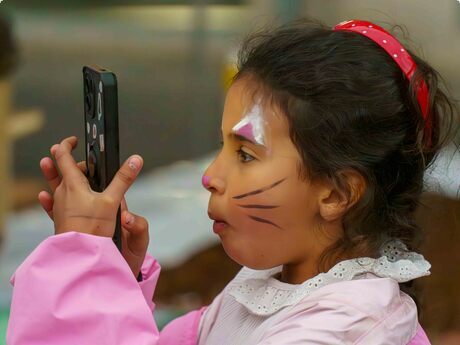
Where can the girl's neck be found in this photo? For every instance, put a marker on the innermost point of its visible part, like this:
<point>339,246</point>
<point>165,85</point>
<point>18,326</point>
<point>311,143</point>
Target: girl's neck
<point>297,274</point>
<point>300,272</point>
<point>308,267</point>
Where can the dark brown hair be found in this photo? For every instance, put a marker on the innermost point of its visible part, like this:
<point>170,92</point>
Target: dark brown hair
<point>350,106</point>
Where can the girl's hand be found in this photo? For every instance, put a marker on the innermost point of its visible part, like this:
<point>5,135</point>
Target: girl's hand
<point>78,208</point>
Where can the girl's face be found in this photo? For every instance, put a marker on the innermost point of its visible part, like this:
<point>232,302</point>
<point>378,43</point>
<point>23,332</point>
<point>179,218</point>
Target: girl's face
<point>271,215</point>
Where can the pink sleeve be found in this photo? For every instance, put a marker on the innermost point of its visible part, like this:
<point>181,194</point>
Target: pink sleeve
<point>150,273</point>
<point>76,288</point>
<point>183,330</point>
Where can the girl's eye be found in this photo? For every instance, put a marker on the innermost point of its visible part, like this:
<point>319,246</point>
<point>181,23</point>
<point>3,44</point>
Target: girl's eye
<point>246,157</point>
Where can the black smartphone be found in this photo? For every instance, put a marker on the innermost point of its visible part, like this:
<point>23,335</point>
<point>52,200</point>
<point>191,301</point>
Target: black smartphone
<point>101,131</point>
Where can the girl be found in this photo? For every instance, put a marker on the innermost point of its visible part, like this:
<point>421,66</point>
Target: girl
<point>326,137</point>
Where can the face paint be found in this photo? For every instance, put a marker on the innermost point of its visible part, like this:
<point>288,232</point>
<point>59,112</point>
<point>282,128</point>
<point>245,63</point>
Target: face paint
<point>258,191</point>
<point>258,206</point>
<point>261,207</point>
<point>205,181</point>
<point>251,126</point>
<point>257,219</point>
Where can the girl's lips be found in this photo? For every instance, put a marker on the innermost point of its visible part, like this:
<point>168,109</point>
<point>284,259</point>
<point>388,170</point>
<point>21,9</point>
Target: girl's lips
<point>219,226</point>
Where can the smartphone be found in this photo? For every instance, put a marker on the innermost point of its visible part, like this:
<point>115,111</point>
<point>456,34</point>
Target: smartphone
<point>101,131</point>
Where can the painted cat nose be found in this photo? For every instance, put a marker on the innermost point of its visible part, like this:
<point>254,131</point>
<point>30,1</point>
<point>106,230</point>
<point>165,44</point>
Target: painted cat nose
<point>205,181</point>
<point>213,184</point>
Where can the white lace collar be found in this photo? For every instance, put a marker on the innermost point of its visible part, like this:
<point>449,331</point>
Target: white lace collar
<point>262,294</point>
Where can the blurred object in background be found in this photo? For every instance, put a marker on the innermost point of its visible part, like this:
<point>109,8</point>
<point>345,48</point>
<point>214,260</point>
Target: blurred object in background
<point>13,126</point>
<point>174,60</point>
<point>8,46</point>
<point>439,217</point>
<point>229,68</point>
<point>8,62</point>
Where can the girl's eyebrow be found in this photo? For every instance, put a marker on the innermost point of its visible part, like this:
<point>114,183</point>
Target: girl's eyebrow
<point>242,137</point>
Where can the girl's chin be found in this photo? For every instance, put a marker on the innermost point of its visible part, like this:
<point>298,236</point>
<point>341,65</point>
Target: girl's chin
<point>242,256</point>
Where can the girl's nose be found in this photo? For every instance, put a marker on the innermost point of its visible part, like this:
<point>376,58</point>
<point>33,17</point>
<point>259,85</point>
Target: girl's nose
<point>205,181</point>
<point>213,184</point>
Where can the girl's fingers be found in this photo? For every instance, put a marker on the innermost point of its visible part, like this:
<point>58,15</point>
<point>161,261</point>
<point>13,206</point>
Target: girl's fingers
<point>53,149</point>
<point>51,174</point>
<point>46,200</point>
<point>124,178</point>
<point>66,163</point>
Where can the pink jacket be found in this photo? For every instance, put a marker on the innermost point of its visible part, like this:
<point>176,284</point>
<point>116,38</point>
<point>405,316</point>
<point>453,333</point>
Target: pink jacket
<point>76,288</point>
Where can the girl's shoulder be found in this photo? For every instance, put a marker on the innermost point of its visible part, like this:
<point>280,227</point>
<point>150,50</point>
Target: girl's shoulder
<point>369,310</point>
<point>371,296</point>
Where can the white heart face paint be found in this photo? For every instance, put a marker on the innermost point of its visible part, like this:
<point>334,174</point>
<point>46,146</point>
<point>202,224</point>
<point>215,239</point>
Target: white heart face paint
<point>251,126</point>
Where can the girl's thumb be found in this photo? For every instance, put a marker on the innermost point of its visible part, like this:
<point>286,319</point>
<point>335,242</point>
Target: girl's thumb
<point>129,220</point>
<point>137,238</point>
<point>136,225</point>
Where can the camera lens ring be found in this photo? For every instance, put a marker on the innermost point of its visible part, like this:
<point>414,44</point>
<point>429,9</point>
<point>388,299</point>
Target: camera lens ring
<point>89,95</point>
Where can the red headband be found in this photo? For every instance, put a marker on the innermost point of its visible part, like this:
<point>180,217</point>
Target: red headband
<point>395,49</point>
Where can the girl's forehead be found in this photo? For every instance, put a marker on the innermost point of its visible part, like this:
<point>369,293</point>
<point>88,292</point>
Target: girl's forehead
<point>242,114</point>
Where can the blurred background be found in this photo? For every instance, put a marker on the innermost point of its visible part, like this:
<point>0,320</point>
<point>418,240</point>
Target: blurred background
<point>172,60</point>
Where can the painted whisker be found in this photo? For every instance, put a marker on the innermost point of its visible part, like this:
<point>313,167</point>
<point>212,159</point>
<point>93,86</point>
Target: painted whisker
<point>259,206</point>
<point>258,191</point>
<point>263,221</point>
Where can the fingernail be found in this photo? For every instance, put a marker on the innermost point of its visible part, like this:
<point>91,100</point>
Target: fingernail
<point>134,163</point>
<point>129,219</point>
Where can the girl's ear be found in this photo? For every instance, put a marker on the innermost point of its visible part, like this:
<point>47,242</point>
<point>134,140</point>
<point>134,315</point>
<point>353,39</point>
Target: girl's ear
<point>335,200</point>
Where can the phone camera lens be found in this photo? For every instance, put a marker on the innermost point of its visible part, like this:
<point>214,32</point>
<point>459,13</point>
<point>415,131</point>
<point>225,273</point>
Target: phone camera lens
<point>89,95</point>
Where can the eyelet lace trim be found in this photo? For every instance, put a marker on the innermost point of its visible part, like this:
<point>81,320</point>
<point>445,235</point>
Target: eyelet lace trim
<point>262,294</point>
